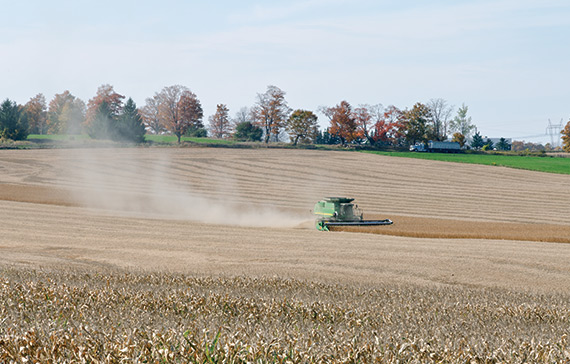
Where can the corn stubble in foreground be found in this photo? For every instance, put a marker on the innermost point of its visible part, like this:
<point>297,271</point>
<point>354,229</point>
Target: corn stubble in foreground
<point>82,316</point>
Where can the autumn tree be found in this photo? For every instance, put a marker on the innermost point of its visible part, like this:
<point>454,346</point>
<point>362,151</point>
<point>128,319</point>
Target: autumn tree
<point>13,122</point>
<point>415,122</point>
<point>178,110</point>
<point>342,122</point>
<point>462,123</point>
<point>566,137</point>
<point>55,111</point>
<point>302,126</point>
<point>66,114</point>
<point>270,112</point>
<point>440,113</point>
<point>366,118</point>
<point>129,125</point>
<point>519,146</point>
<point>388,129</point>
<point>150,115</point>
<point>36,113</point>
<point>72,116</point>
<point>103,111</point>
<point>105,93</point>
<point>458,138</point>
<point>220,126</point>
<point>191,113</point>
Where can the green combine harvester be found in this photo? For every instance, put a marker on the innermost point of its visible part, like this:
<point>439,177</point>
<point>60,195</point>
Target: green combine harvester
<point>339,211</point>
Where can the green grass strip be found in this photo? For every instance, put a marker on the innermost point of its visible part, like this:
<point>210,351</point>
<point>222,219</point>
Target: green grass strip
<point>533,163</point>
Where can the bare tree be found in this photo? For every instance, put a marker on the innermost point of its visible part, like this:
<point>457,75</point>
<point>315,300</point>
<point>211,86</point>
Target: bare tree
<point>271,112</point>
<point>242,116</point>
<point>440,117</point>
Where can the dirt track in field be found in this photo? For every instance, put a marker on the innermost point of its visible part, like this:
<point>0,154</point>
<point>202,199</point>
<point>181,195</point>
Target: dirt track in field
<point>231,211</point>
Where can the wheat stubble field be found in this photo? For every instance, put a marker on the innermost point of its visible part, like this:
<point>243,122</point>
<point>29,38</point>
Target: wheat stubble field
<point>207,254</point>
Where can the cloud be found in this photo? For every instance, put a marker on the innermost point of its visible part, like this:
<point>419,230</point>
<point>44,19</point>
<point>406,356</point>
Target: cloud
<point>318,51</point>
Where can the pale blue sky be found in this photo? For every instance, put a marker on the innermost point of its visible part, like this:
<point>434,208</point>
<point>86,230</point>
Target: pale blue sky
<point>508,60</point>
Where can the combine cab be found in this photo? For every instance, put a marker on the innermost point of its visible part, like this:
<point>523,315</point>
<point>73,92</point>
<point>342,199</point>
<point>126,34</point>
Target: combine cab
<point>339,211</point>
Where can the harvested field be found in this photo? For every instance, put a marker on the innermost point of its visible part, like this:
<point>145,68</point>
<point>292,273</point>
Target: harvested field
<point>475,265</point>
<point>79,316</point>
<point>426,227</point>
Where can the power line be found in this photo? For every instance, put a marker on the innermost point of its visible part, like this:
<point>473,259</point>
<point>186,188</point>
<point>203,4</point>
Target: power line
<point>531,136</point>
<point>554,131</point>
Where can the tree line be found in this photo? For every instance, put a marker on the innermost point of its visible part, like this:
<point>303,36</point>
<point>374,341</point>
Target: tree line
<point>176,110</point>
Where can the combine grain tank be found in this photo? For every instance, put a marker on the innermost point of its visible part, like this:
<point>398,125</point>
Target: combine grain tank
<point>340,211</point>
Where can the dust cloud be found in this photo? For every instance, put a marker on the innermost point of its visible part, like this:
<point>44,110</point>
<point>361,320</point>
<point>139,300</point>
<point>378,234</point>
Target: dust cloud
<point>151,185</point>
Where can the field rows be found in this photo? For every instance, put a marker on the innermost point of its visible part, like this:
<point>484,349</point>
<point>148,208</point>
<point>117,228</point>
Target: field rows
<point>201,255</point>
<point>296,179</point>
<point>247,211</point>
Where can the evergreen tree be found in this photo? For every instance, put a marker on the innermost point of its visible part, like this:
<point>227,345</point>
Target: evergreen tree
<point>196,131</point>
<point>130,125</point>
<point>477,142</point>
<point>102,125</point>
<point>246,131</point>
<point>503,144</point>
<point>489,143</point>
<point>13,121</point>
<point>327,138</point>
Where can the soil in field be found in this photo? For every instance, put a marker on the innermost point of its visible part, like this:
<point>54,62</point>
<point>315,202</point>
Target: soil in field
<point>425,227</point>
<point>454,225</point>
<point>85,279</point>
<point>409,226</point>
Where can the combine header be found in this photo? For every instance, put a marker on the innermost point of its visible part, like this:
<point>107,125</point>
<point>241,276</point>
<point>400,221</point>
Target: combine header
<point>339,211</point>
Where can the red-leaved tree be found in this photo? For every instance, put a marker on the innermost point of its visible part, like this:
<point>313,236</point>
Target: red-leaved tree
<point>343,124</point>
<point>105,93</point>
<point>389,128</point>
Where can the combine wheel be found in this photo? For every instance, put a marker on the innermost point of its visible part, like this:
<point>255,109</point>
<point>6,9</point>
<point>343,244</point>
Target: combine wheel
<point>321,225</point>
